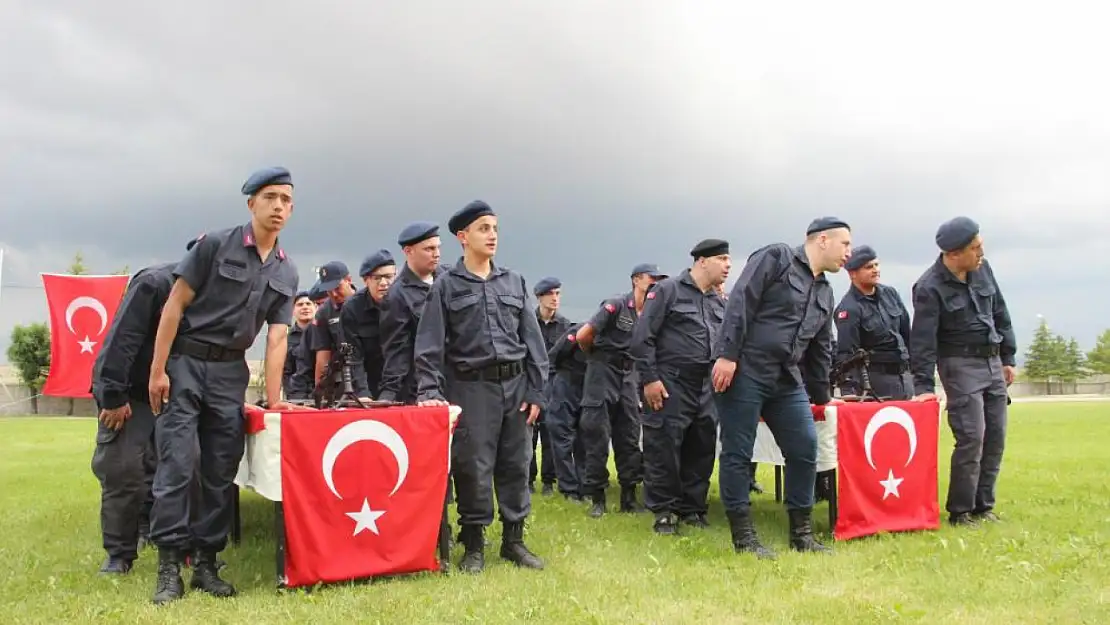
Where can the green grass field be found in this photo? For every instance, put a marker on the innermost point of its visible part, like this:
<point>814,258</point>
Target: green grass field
<point>1049,561</point>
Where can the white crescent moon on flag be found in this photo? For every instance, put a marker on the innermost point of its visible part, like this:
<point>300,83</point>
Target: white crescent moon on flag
<point>365,430</point>
<point>86,302</point>
<point>897,416</point>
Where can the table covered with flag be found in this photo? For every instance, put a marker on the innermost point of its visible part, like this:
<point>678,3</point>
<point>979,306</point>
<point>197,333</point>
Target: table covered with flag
<point>360,492</point>
<point>885,458</point>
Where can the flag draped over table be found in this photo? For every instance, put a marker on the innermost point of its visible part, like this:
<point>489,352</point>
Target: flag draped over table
<point>362,491</point>
<point>81,311</point>
<point>887,467</point>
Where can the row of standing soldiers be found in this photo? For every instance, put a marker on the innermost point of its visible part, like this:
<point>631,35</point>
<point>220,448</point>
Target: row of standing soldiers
<point>673,348</point>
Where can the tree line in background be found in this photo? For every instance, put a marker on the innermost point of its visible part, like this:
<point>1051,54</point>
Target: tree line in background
<point>1050,358</point>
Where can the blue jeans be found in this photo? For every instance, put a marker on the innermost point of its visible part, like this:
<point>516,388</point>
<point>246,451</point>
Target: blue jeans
<point>784,406</point>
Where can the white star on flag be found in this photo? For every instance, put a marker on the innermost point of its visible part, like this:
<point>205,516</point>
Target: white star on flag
<point>86,345</point>
<point>366,519</point>
<point>890,485</point>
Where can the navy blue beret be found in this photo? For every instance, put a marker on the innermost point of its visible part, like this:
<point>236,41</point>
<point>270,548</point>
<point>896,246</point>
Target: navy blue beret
<point>266,177</point>
<point>380,258</point>
<point>417,232</point>
<point>650,269</point>
<point>822,224</point>
<point>468,215</point>
<point>709,248</point>
<point>860,257</point>
<point>956,234</point>
<point>331,274</point>
<point>546,285</point>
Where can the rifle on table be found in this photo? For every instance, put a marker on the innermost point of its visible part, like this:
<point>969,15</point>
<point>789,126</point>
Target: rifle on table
<point>861,360</point>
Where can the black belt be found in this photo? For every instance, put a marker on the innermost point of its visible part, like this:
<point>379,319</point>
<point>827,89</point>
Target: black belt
<point>617,360</point>
<point>206,351</point>
<point>493,373</point>
<point>891,368</point>
<point>945,350</point>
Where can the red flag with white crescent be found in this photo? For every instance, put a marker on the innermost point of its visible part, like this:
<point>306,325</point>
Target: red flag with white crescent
<point>81,311</point>
<point>363,491</point>
<point>886,467</point>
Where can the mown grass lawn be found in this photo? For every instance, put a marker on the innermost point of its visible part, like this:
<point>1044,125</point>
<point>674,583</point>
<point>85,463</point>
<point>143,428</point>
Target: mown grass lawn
<point>1047,563</point>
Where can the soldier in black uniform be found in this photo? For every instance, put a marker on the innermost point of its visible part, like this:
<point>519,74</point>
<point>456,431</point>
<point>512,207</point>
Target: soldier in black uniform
<point>360,316</point>
<point>567,377</point>
<point>672,347</point>
<point>296,378</point>
<point>124,460</point>
<point>773,359</point>
<point>402,307</point>
<point>611,399</point>
<point>872,317</point>
<point>328,334</point>
<point>552,325</point>
<point>961,329</point>
<point>226,287</point>
<point>479,346</point>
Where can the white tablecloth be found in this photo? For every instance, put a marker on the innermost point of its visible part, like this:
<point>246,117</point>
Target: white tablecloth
<point>767,451</point>
<point>260,469</point>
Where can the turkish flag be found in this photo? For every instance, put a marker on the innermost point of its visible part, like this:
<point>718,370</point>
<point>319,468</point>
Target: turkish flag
<point>81,311</point>
<point>363,491</point>
<point>886,467</point>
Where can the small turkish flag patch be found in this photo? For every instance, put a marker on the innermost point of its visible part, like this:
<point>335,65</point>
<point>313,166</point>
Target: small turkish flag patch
<point>611,308</point>
<point>842,314</point>
<point>651,295</point>
<point>571,338</point>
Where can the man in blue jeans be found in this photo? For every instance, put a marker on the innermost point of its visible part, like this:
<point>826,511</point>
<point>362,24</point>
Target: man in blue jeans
<point>773,356</point>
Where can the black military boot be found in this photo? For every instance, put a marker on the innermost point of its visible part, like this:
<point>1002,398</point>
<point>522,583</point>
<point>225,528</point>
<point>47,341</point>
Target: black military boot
<point>474,541</point>
<point>598,509</point>
<point>514,550</point>
<point>206,575</point>
<point>744,538</point>
<point>548,489</point>
<point>696,519</point>
<point>801,532</point>
<point>963,519</point>
<point>169,585</point>
<point>115,566</point>
<point>665,524</point>
<point>628,500</point>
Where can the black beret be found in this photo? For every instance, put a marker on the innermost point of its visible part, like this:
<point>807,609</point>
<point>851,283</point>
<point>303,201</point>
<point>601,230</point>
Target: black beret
<point>266,177</point>
<point>417,232</point>
<point>709,248</point>
<point>860,257</point>
<point>307,294</point>
<point>822,224</point>
<point>467,215</point>
<point>546,285</point>
<point>956,234</point>
<point>380,258</point>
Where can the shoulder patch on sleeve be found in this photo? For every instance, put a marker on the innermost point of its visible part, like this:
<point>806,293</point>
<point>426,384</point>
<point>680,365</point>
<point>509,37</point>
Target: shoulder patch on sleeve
<point>651,295</point>
<point>571,337</point>
<point>611,308</point>
<point>842,314</point>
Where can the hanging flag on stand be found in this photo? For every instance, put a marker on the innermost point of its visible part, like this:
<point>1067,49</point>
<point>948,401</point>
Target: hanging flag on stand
<point>81,311</point>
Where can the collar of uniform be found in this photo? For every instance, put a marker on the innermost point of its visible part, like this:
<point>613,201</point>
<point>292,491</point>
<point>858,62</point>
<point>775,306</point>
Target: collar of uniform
<point>686,278</point>
<point>858,294</point>
<point>460,270</point>
<point>947,274</point>
<point>248,241</point>
<point>630,299</point>
<point>800,254</point>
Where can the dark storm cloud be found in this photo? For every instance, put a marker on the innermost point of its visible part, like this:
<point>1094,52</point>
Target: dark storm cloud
<point>604,134</point>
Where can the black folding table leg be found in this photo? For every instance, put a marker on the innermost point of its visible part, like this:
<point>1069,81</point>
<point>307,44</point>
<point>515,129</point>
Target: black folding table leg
<point>778,483</point>
<point>445,537</point>
<point>279,542</point>
<point>833,511</point>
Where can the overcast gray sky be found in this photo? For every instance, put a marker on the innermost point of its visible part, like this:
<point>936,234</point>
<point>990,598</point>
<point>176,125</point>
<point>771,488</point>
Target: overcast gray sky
<point>604,133</point>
